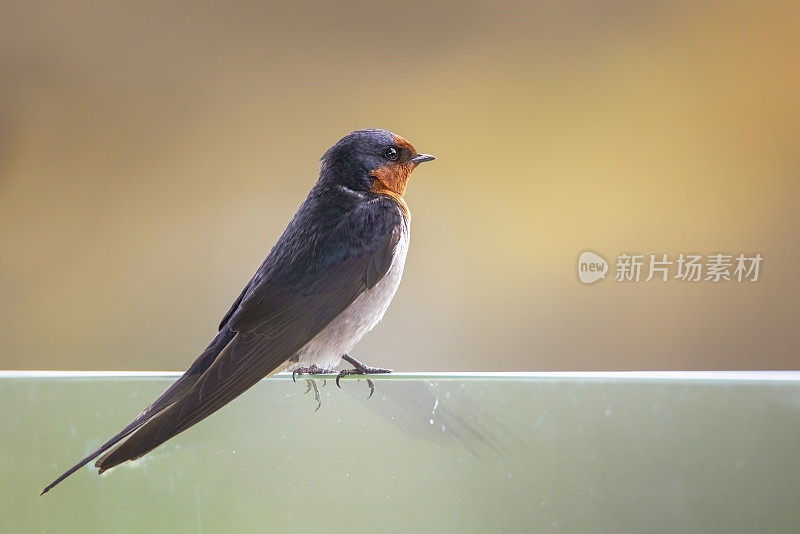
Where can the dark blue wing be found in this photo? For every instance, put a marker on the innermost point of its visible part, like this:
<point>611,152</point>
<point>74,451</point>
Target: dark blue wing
<point>279,313</point>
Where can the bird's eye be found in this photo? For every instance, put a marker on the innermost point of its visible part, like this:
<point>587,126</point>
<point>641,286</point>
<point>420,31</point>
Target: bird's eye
<point>391,153</point>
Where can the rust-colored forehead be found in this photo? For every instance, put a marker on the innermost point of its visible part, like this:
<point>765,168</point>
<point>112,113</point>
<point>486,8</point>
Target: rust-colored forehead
<point>402,143</point>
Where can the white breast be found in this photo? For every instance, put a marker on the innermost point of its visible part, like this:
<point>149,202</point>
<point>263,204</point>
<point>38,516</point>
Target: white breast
<point>347,329</point>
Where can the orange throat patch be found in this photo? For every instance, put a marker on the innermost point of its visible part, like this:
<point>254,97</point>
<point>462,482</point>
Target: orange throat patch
<point>392,180</point>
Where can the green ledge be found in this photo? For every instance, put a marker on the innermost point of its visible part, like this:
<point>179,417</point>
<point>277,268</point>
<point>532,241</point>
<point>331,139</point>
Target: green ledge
<point>429,452</point>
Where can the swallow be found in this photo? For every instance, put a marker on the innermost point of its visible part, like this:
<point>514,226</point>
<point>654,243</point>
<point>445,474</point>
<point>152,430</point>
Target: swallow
<point>327,281</point>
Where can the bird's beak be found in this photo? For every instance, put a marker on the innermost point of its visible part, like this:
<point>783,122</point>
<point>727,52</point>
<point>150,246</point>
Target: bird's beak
<point>421,158</point>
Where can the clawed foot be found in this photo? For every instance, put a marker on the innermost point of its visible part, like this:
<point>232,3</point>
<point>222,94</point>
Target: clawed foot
<point>361,369</point>
<point>313,370</point>
<point>312,384</point>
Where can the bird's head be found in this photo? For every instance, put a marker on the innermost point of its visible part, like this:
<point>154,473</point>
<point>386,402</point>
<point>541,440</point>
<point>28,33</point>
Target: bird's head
<point>372,160</point>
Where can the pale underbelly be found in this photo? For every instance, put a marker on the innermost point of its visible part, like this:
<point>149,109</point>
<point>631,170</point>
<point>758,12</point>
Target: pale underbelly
<point>347,329</point>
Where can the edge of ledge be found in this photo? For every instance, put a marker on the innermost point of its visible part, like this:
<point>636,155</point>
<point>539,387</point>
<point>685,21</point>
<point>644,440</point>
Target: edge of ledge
<point>760,376</point>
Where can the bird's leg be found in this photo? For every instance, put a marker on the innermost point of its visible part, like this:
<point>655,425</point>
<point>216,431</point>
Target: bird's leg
<point>312,384</point>
<point>364,368</point>
<point>361,369</point>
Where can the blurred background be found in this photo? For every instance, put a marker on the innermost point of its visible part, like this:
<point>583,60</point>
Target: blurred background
<point>151,154</point>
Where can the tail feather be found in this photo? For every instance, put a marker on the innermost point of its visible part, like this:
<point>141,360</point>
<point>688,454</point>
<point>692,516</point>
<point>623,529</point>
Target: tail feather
<point>107,445</point>
<point>174,392</point>
<point>137,445</point>
<point>164,426</point>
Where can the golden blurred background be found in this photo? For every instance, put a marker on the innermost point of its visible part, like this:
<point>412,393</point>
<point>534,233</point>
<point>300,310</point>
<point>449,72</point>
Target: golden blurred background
<point>151,153</point>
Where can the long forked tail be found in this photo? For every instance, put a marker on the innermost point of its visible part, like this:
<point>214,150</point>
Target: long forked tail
<point>175,391</point>
<point>242,363</point>
<point>107,445</point>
